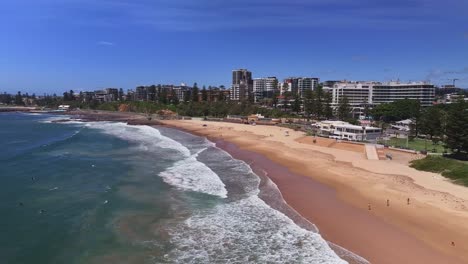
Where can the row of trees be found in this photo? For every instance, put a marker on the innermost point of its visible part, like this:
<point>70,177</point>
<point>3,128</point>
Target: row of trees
<point>447,123</point>
<point>17,99</point>
<point>318,104</point>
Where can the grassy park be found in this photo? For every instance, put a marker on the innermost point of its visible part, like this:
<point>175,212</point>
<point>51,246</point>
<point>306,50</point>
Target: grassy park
<point>415,144</point>
<point>453,169</point>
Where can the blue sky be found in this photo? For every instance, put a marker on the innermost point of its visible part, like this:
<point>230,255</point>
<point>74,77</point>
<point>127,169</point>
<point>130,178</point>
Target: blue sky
<point>57,45</point>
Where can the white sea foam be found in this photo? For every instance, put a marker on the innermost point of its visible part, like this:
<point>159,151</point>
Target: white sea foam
<point>187,173</point>
<point>247,231</point>
<point>190,174</point>
<point>146,135</point>
<point>53,119</point>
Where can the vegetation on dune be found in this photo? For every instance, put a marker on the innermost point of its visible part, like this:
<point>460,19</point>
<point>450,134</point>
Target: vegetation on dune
<point>453,169</point>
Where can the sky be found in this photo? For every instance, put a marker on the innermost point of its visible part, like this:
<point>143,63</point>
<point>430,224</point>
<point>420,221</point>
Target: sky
<point>50,46</point>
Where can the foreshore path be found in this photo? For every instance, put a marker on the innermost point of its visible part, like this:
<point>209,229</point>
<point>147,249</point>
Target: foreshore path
<point>371,152</point>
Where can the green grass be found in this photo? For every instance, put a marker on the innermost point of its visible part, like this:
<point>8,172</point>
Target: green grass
<point>416,144</point>
<point>453,169</point>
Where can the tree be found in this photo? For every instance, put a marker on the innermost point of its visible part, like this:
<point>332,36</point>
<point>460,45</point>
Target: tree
<point>328,111</point>
<point>296,107</point>
<point>457,127</point>
<point>174,98</point>
<point>6,98</point>
<point>309,103</point>
<point>319,102</point>
<point>187,96</point>
<point>19,99</point>
<point>66,97</point>
<point>287,96</point>
<point>431,123</point>
<point>343,108</point>
<point>151,92</point>
<point>275,98</point>
<point>204,93</point>
<point>366,110</point>
<point>195,93</point>
<point>71,95</point>
<point>221,96</point>
<point>163,96</point>
<point>398,110</point>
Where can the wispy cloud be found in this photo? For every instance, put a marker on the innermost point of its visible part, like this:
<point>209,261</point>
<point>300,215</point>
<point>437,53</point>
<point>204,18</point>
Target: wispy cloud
<point>105,43</point>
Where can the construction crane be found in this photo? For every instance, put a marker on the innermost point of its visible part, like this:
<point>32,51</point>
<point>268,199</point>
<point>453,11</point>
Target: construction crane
<point>453,81</point>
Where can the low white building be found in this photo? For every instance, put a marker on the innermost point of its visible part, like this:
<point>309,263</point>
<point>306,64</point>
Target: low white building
<point>346,131</point>
<point>403,125</point>
<point>63,107</point>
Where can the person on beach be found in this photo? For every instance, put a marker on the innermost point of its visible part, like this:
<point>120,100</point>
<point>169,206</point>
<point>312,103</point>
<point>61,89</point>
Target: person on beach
<point>369,207</point>
<point>388,202</point>
<point>408,201</point>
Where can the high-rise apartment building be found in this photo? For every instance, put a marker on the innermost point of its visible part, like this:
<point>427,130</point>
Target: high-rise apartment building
<point>242,85</point>
<point>298,85</point>
<point>306,83</point>
<point>392,91</point>
<point>264,88</point>
<point>362,94</point>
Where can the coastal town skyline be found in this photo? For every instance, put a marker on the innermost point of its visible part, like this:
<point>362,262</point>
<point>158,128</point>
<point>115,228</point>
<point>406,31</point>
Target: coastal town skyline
<point>248,131</point>
<point>82,44</point>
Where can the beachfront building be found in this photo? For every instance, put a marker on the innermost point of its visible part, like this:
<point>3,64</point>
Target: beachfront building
<point>392,91</point>
<point>364,94</point>
<point>264,88</point>
<point>242,85</point>
<point>359,95</point>
<point>346,131</point>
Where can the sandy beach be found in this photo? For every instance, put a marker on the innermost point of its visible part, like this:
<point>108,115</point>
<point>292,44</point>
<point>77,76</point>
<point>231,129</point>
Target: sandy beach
<point>334,185</point>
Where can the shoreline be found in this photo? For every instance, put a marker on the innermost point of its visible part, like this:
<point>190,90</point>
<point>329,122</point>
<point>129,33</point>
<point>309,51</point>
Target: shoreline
<point>418,233</point>
<point>272,195</point>
<point>401,234</point>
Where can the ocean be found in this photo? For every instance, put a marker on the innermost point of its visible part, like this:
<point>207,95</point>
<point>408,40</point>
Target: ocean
<point>106,192</point>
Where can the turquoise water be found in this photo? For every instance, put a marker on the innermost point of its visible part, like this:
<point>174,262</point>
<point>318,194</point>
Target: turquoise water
<point>112,193</point>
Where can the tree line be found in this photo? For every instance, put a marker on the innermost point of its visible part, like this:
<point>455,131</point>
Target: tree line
<point>447,123</point>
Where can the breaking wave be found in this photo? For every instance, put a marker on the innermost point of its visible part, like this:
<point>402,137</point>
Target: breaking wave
<point>187,173</point>
<point>247,231</point>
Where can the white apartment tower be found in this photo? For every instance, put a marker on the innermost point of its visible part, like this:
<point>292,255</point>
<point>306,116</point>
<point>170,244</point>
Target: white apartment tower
<point>299,85</point>
<point>360,94</point>
<point>264,88</point>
